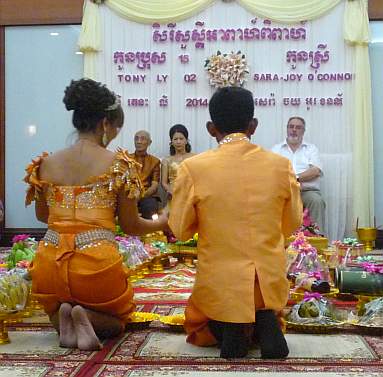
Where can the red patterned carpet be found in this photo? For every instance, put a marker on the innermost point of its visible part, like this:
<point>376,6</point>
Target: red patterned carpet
<point>160,350</point>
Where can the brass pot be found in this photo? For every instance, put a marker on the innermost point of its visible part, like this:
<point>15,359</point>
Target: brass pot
<point>367,236</point>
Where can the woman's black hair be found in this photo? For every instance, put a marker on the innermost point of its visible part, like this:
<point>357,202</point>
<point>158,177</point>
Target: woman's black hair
<point>231,109</point>
<point>183,130</point>
<point>91,102</point>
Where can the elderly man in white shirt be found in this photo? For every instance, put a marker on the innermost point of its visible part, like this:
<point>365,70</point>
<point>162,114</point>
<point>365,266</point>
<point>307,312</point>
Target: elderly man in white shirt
<point>307,166</point>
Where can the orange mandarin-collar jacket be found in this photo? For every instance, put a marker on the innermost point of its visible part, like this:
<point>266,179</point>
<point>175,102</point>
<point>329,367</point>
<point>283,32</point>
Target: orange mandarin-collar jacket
<point>243,201</point>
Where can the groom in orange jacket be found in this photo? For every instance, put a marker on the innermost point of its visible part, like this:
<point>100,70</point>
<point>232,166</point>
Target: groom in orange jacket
<point>243,201</point>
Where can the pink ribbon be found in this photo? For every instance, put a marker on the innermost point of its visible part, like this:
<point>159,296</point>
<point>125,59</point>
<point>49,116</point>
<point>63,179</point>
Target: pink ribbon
<point>372,268</point>
<point>315,274</point>
<point>309,295</point>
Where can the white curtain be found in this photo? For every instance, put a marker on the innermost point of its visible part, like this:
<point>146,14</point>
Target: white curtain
<point>328,126</point>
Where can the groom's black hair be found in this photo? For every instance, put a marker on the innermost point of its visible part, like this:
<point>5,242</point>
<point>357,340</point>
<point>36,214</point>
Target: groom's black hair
<point>231,109</point>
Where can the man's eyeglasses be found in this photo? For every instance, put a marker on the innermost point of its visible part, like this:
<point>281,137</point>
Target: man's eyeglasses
<point>295,126</point>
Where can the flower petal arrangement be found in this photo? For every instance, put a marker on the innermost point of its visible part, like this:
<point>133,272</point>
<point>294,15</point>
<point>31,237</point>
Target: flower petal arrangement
<point>309,227</point>
<point>227,69</point>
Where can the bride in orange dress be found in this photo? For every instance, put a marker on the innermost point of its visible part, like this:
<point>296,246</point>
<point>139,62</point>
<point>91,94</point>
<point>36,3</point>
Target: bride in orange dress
<point>78,274</point>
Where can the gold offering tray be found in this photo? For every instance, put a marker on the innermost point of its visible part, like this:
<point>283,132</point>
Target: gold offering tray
<point>299,296</point>
<point>157,263</point>
<point>320,243</point>
<point>12,316</point>
<point>369,329</point>
<point>313,328</point>
<point>154,237</point>
<point>363,300</point>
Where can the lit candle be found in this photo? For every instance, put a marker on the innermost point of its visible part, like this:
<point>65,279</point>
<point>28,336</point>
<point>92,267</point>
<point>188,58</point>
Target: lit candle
<point>155,216</point>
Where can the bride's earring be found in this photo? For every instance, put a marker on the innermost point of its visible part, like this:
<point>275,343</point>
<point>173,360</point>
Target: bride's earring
<point>105,140</point>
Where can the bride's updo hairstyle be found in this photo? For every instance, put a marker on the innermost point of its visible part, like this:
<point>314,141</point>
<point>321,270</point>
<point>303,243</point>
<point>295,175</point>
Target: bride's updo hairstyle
<point>92,102</point>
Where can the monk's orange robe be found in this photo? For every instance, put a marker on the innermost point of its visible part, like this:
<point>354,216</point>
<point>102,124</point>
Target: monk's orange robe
<point>149,170</point>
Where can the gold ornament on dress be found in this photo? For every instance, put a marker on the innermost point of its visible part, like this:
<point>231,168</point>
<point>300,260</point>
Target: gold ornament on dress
<point>100,192</point>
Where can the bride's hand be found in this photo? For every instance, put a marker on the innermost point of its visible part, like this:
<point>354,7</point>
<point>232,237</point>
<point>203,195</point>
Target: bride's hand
<point>163,219</point>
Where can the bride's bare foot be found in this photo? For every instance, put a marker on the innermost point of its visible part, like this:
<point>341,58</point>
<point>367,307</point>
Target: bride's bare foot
<point>68,337</point>
<point>87,339</point>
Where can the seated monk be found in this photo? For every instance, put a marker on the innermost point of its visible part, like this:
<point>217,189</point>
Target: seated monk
<point>149,173</point>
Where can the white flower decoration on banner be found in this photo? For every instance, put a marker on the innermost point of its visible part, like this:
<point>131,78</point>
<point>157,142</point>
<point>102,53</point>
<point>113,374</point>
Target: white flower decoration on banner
<point>227,69</point>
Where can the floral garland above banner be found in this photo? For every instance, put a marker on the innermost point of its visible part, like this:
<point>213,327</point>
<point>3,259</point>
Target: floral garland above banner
<point>227,69</point>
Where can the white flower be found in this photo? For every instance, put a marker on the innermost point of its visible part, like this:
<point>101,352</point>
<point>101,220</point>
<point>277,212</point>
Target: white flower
<point>226,69</point>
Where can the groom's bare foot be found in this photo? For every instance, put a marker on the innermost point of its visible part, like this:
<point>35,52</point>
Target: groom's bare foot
<point>68,337</point>
<point>87,339</point>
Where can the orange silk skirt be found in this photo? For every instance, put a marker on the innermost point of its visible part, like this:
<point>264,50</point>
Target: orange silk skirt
<point>93,277</point>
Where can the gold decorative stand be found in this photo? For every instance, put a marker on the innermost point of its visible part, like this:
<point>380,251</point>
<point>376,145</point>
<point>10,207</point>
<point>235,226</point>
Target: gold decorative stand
<point>5,319</point>
<point>4,339</point>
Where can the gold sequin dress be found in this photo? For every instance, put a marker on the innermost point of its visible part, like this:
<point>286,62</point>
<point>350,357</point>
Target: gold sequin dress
<point>92,274</point>
<point>173,167</point>
<point>172,172</point>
